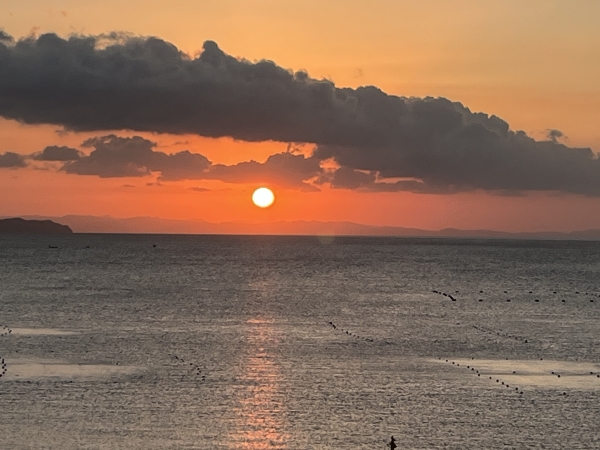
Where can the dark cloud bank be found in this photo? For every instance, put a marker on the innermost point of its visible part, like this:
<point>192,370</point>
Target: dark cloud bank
<point>55,153</point>
<point>380,141</point>
<point>10,160</point>
<point>114,156</point>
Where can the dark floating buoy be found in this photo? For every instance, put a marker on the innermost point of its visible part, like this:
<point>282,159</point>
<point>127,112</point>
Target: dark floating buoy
<point>536,300</point>
<point>153,245</point>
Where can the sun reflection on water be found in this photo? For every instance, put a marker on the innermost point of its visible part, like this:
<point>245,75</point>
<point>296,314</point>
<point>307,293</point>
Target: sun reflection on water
<point>260,403</point>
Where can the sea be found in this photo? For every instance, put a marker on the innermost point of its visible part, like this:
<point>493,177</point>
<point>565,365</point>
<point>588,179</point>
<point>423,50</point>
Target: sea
<point>275,342</point>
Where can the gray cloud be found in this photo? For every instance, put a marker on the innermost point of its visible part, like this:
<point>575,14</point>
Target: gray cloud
<point>5,37</point>
<point>199,189</point>
<point>181,166</point>
<point>347,178</point>
<point>10,160</point>
<point>147,84</point>
<point>113,156</point>
<point>554,135</point>
<point>282,170</point>
<point>56,153</point>
<point>463,158</point>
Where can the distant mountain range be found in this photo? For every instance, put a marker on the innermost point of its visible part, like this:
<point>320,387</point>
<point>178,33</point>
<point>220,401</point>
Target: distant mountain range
<point>153,225</point>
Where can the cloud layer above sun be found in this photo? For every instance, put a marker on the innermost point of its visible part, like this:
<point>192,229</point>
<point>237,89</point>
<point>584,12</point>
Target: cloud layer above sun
<point>371,140</point>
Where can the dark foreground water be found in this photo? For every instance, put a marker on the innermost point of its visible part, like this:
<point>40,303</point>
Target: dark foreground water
<point>208,342</point>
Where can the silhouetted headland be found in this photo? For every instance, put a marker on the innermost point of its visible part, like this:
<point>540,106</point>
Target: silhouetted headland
<point>22,226</point>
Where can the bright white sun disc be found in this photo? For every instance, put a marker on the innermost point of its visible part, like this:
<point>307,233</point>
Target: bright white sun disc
<point>263,197</point>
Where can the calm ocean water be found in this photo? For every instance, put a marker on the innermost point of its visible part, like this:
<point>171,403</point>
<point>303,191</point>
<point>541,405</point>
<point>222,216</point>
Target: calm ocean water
<point>231,342</point>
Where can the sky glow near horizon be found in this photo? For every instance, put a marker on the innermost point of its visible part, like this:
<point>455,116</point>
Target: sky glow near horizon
<point>250,104</point>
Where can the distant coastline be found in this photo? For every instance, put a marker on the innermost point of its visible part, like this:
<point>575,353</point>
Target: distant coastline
<point>155,225</point>
<point>17,225</point>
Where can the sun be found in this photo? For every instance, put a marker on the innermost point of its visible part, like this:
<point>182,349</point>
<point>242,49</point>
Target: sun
<point>263,197</point>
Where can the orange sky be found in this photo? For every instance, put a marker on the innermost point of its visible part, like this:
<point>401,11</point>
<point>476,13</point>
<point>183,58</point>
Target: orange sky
<point>535,64</point>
